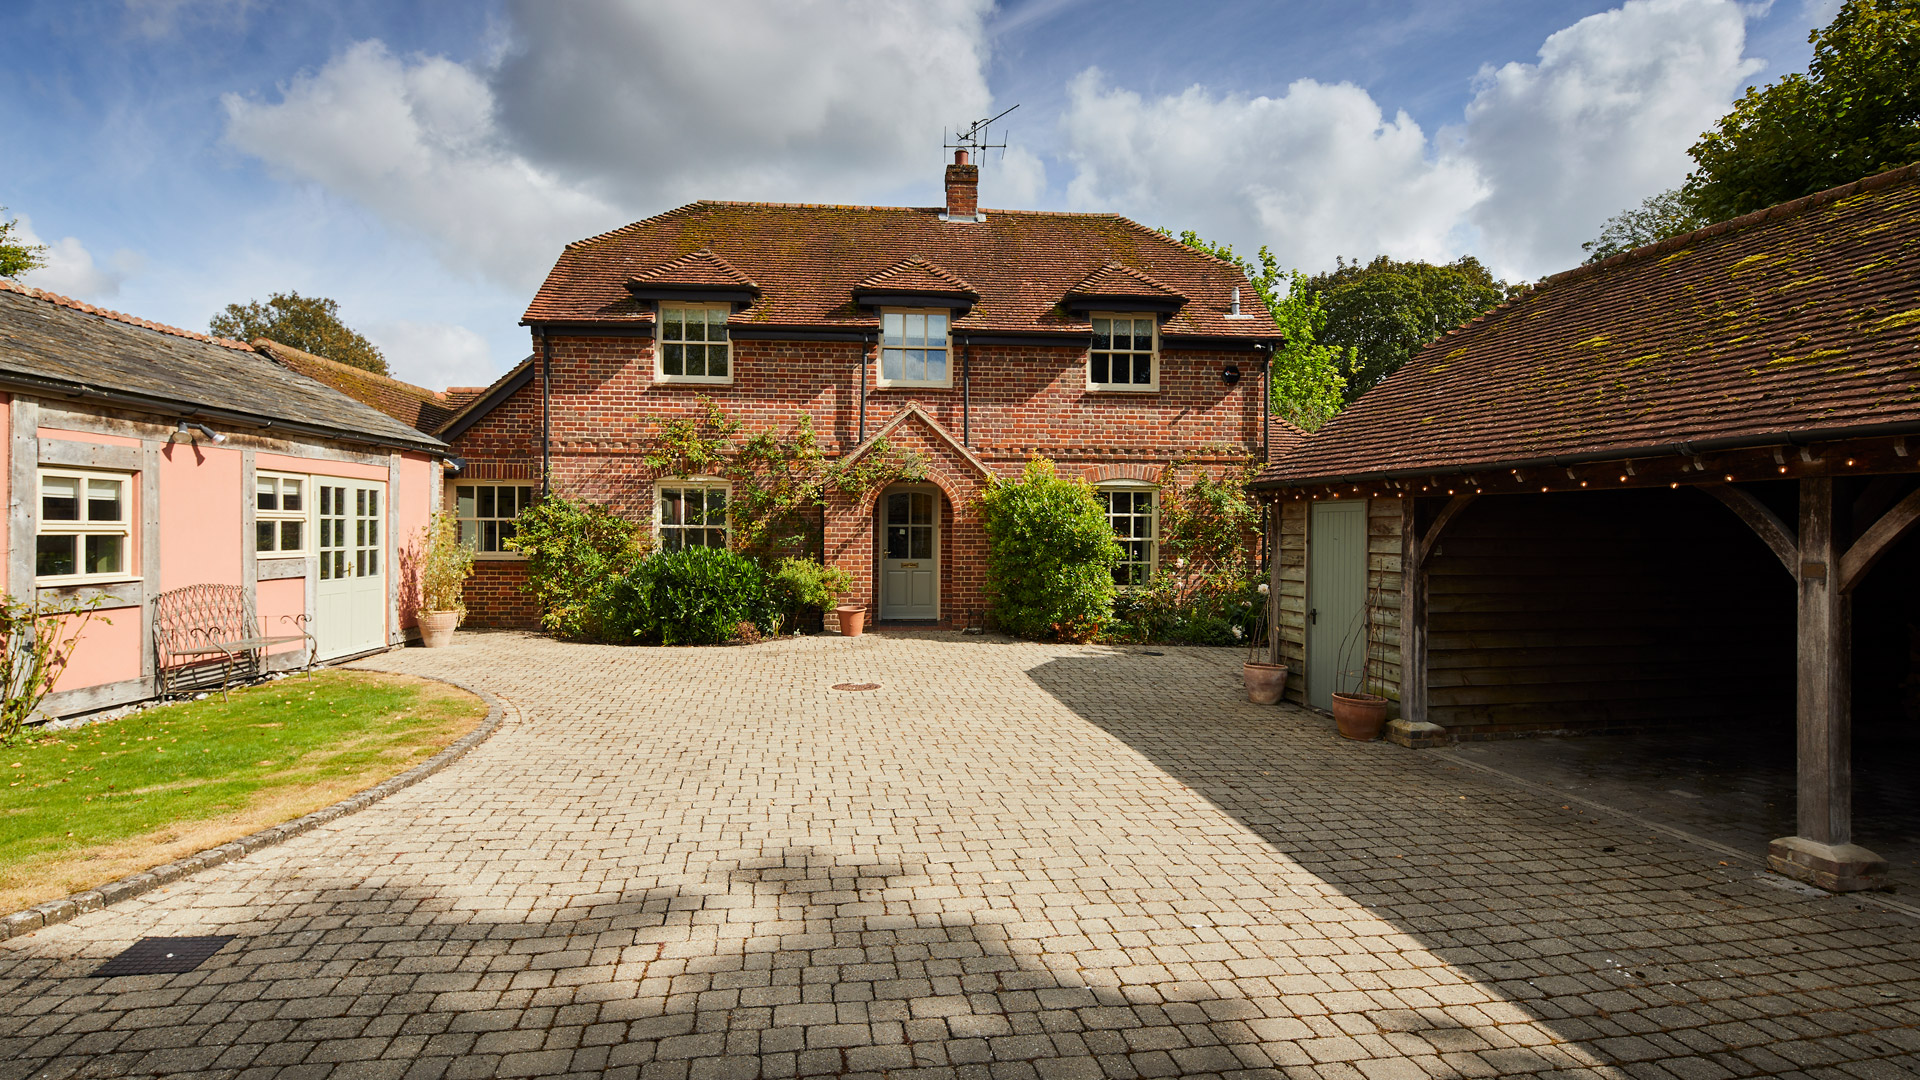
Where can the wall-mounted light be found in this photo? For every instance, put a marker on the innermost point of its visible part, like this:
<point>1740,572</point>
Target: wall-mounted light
<point>1230,374</point>
<point>184,433</point>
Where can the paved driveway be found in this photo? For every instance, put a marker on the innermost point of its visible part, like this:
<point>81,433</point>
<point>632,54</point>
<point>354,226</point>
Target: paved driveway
<point>1006,861</point>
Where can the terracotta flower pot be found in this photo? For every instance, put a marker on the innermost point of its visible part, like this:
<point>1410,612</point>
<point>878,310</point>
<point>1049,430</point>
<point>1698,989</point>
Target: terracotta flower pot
<point>436,627</point>
<point>853,619</point>
<point>1359,716</point>
<point>1265,682</point>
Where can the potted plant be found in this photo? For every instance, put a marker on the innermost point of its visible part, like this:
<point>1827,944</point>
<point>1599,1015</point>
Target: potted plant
<point>445,564</point>
<point>1360,714</point>
<point>1265,681</point>
<point>853,619</point>
<point>805,585</point>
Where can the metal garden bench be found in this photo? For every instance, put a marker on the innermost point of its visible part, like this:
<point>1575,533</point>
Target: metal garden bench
<point>203,629</point>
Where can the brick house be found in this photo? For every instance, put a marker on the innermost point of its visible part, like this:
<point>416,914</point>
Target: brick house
<point>973,338</point>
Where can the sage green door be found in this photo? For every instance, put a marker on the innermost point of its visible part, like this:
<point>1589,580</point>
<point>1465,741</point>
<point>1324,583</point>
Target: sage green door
<point>910,554</point>
<point>1336,598</point>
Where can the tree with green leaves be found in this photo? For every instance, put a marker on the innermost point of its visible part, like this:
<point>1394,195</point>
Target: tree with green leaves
<point>1380,313</point>
<point>1658,217</point>
<point>1855,112</point>
<point>309,323</point>
<point>1304,381</point>
<point>17,258</point>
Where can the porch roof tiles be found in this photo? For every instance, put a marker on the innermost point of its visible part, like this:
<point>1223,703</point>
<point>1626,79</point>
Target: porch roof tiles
<point>808,260</point>
<point>1799,318</point>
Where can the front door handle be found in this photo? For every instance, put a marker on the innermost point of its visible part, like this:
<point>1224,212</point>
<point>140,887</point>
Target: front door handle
<point>1313,616</point>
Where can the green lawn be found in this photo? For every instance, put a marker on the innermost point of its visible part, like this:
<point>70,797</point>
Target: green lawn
<point>80,808</point>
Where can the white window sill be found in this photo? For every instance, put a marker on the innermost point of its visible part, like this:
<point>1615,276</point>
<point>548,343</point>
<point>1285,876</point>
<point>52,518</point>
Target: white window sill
<point>499,556</point>
<point>74,582</point>
<point>694,380</point>
<point>901,384</point>
<point>1122,388</point>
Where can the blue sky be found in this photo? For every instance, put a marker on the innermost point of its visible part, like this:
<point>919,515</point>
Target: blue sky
<point>423,163</point>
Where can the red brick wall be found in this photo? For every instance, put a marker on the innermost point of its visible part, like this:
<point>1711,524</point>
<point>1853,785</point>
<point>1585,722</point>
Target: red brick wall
<point>496,596</point>
<point>607,411</point>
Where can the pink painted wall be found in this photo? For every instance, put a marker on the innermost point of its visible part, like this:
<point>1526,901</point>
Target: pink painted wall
<point>201,516</point>
<point>413,506</point>
<point>108,650</point>
<point>88,436</point>
<point>6,477</point>
<point>278,598</point>
<point>318,467</point>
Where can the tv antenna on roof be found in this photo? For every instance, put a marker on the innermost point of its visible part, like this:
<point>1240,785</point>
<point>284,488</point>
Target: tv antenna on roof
<point>974,137</point>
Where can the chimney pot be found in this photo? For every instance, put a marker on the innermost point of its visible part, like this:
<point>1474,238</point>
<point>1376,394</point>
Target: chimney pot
<point>963,188</point>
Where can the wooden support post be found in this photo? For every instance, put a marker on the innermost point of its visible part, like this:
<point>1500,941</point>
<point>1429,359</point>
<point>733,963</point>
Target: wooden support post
<point>1414,728</point>
<point>1824,853</point>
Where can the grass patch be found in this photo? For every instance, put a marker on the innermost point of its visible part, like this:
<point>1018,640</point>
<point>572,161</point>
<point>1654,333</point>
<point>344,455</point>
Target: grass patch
<point>80,808</point>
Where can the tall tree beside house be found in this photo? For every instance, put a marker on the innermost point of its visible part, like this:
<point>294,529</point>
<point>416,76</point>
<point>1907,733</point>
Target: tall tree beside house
<point>1855,112</point>
<point>311,323</point>
<point>1305,383</point>
<point>17,258</point>
<point>1382,312</point>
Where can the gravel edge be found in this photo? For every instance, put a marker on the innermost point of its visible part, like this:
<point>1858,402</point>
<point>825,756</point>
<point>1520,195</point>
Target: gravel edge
<point>67,908</point>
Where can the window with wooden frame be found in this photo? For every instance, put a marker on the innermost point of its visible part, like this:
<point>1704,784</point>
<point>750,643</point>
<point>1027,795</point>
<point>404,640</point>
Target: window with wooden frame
<point>1125,354</point>
<point>1131,510</point>
<point>693,344</point>
<point>279,515</point>
<point>487,513</point>
<point>85,528</point>
<point>913,348</point>
<point>691,513</point>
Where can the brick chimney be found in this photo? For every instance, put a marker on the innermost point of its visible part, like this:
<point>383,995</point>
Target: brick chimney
<point>963,188</point>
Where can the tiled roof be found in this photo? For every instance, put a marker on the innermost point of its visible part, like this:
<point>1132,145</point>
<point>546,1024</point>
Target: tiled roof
<point>1283,438</point>
<point>1802,317</point>
<point>916,275</point>
<point>62,347</point>
<point>701,267</point>
<point>807,261</point>
<point>477,402</point>
<point>414,406</point>
<point>1113,279</point>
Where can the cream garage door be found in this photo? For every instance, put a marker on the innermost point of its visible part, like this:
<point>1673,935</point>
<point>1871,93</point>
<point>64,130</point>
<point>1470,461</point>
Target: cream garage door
<point>350,596</point>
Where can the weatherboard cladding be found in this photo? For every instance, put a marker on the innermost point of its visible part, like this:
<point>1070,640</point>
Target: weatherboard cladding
<point>808,260</point>
<point>49,338</point>
<point>1804,316</point>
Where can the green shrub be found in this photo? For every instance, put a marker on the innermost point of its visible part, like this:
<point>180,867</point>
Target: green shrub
<point>804,585</point>
<point>694,596</point>
<point>1050,553</point>
<point>445,564</point>
<point>1174,609</point>
<point>575,553</point>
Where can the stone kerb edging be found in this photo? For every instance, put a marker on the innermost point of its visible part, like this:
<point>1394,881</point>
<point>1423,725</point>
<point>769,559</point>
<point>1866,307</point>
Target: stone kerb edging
<point>54,912</point>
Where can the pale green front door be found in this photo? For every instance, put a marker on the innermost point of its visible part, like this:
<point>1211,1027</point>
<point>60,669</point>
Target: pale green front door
<point>1336,598</point>
<point>350,599</point>
<point>910,554</point>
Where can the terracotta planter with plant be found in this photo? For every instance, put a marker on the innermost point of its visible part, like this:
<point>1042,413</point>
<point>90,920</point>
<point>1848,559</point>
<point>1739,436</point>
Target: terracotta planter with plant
<point>1265,681</point>
<point>853,619</point>
<point>445,565</point>
<point>1360,716</point>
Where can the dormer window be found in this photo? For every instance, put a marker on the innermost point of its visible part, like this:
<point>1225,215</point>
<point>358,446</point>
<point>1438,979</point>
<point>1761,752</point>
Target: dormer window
<point>913,348</point>
<point>694,347</point>
<point>1125,354</point>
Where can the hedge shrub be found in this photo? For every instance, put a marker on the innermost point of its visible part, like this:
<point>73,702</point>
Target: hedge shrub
<point>694,596</point>
<point>1050,554</point>
<point>575,552</point>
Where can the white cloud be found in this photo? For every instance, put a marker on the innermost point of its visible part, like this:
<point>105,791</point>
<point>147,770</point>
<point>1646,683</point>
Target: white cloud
<point>1601,121</point>
<point>1545,152</point>
<point>434,355</point>
<point>1318,172</point>
<point>71,269</point>
<point>598,114</point>
<point>415,142</point>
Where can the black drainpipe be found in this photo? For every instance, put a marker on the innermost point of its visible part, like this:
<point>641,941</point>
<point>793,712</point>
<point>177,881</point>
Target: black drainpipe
<point>866,358</point>
<point>966,393</point>
<point>546,413</point>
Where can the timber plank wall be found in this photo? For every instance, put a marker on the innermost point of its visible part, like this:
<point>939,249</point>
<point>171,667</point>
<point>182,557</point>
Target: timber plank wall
<point>1383,596</point>
<point>1602,611</point>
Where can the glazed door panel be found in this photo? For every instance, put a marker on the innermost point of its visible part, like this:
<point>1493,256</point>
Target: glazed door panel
<point>910,554</point>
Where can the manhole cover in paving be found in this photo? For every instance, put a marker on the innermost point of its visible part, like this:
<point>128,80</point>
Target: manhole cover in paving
<point>163,956</point>
<point>856,686</point>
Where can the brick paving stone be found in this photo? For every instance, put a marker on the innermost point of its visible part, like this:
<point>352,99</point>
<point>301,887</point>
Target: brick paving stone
<point>1010,861</point>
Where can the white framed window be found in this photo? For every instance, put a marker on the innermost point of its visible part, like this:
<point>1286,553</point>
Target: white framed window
<point>1125,354</point>
<point>280,514</point>
<point>487,513</point>
<point>914,349</point>
<point>1132,510</point>
<point>694,346</point>
<point>85,527</point>
<point>692,513</point>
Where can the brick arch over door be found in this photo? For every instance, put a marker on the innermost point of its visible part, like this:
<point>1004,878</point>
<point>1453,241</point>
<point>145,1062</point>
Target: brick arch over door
<point>1101,474</point>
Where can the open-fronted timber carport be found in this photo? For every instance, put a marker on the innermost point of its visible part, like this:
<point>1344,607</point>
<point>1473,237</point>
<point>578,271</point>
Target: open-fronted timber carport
<point>1677,487</point>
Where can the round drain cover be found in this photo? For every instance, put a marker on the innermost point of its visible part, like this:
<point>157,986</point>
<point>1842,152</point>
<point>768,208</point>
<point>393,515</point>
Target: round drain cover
<point>856,686</point>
